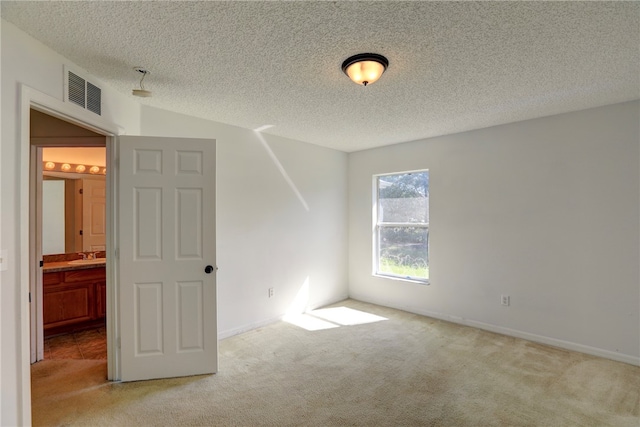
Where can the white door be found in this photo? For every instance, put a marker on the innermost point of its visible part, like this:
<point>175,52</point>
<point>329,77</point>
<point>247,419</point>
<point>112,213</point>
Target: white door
<point>167,279</point>
<point>94,214</point>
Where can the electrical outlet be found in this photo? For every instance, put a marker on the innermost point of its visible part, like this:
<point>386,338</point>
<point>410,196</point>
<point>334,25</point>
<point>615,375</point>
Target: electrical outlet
<point>505,299</point>
<point>270,292</point>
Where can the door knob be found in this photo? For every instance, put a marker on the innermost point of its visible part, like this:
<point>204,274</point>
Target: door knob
<point>208,269</point>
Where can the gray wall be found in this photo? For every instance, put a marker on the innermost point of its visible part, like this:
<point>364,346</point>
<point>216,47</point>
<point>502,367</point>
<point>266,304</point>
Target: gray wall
<point>543,210</point>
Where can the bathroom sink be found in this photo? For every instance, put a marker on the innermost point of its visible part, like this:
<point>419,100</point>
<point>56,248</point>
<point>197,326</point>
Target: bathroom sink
<point>88,261</point>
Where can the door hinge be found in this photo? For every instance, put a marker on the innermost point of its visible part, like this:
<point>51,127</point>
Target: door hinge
<point>41,263</point>
<point>81,232</point>
<point>81,191</point>
<point>118,343</point>
<point>29,297</point>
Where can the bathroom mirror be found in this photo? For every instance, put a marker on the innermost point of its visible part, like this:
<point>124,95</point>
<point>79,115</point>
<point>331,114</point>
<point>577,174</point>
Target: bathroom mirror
<point>53,223</point>
<point>65,210</point>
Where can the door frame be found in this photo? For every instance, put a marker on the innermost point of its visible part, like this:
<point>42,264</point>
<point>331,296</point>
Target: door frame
<point>29,266</point>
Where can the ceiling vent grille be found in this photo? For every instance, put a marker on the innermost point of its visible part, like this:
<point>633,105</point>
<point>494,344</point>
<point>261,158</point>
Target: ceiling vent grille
<point>83,93</point>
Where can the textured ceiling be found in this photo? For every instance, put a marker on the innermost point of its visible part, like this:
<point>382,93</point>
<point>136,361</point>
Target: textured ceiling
<point>454,66</point>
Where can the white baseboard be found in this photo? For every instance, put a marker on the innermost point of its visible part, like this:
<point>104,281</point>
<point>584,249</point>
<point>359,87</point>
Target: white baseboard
<point>567,345</point>
<point>259,324</point>
<point>330,301</point>
<point>246,328</point>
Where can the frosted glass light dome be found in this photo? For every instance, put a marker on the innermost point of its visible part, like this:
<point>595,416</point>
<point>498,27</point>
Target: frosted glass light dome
<point>365,68</point>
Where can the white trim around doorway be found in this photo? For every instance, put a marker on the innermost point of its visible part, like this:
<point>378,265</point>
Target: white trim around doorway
<point>33,99</point>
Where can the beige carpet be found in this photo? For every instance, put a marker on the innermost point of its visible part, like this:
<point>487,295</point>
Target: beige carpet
<point>407,370</point>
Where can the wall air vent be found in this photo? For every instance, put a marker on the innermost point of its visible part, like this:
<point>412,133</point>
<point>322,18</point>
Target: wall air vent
<point>94,98</point>
<point>82,93</point>
<point>77,92</point>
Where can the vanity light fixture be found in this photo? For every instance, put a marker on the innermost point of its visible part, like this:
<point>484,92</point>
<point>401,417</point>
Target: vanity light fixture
<point>50,166</point>
<point>365,68</point>
<point>142,92</point>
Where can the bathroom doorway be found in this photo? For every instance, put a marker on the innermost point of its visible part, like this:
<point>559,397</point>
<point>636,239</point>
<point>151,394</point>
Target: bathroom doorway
<point>68,169</point>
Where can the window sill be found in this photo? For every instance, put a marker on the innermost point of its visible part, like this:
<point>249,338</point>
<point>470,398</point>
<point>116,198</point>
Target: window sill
<point>403,279</point>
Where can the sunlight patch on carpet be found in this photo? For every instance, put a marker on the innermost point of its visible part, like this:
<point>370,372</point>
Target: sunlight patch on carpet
<point>346,316</point>
<point>310,323</point>
<point>329,318</point>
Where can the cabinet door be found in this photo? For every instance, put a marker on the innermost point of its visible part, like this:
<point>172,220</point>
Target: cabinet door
<point>101,300</point>
<point>68,304</point>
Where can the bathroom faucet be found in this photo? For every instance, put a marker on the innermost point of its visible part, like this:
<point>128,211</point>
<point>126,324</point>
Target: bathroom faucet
<point>83,255</point>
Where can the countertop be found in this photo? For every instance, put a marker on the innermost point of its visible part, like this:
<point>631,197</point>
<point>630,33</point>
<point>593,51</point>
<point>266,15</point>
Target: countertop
<point>53,267</point>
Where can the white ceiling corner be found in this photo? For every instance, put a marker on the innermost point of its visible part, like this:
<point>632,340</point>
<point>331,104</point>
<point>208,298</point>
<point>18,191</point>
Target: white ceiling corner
<point>454,66</point>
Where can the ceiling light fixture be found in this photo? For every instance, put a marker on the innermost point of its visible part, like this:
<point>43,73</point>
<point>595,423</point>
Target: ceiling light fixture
<point>365,68</point>
<point>142,92</point>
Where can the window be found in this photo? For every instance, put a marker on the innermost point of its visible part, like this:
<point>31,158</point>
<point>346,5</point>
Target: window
<point>401,235</point>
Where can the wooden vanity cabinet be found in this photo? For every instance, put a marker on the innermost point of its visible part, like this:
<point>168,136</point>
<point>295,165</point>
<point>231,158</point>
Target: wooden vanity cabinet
<point>101,299</point>
<point>73,300</point>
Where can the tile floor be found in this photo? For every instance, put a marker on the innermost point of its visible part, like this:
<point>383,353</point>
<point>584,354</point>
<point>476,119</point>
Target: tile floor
<point>88,344</point>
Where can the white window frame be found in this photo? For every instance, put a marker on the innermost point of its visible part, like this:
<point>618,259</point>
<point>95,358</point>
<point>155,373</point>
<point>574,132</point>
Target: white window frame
<point>378,224</point>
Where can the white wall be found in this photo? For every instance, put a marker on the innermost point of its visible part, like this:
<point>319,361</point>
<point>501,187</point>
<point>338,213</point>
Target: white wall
<point>545,210</point>
<point>266,237</point>
<point>25,60</point>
